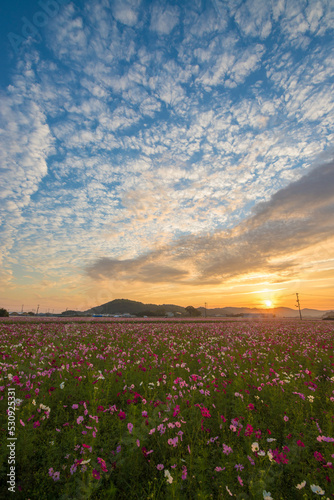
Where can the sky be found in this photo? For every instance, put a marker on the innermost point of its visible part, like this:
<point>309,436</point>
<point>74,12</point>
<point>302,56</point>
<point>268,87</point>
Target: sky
<point>167,152</point>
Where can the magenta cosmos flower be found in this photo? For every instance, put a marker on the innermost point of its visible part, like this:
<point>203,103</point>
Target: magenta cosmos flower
<point>96,474</point>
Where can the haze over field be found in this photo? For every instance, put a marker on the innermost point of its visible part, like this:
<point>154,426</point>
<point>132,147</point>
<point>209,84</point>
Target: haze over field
<point>167,152</point>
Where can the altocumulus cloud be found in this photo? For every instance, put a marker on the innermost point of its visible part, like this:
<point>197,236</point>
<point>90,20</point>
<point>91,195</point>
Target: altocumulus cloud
<point>295,218</point>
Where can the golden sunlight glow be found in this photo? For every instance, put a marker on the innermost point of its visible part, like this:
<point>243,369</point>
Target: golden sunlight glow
<point>268,303</point>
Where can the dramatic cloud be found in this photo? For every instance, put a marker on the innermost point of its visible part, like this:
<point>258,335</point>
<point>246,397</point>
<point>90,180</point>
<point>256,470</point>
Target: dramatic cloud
<point>298,216</point>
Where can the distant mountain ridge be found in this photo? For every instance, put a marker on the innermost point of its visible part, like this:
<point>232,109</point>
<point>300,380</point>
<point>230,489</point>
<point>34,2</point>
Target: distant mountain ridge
<point>122,306</point>
<point>279,312</point>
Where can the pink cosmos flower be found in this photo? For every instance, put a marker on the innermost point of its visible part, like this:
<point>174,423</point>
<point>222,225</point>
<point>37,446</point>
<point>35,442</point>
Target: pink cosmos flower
<point>176,410</point>
<point>258,434</point>
<point>226,449</point>
<point>184,472</point>
<point>249,430</point>
<point>160,466</point>
<point>122,415</point>
<point>56,476</point>
<point>103,464</point>
<point>205,413</point>
<point>79,420</point>
<point>130,427</point>
<point>318,456</point>
<point>96,474</point>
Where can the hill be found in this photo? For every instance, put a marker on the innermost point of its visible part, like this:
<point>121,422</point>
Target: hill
<point>122,306</point>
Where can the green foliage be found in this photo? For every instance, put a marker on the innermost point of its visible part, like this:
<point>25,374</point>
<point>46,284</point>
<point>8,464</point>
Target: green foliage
<point>194,313</point>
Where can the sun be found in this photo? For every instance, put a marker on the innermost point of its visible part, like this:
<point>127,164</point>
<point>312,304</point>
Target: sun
<point>268,303</point>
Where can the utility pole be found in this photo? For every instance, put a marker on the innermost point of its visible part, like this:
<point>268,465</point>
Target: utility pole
<point>37,309</point>
<point>22,308</point>
<point>205,309</point>
<point>298,305</point>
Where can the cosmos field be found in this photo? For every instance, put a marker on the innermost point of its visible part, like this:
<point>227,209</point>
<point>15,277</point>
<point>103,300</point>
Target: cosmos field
<point>169,410</point>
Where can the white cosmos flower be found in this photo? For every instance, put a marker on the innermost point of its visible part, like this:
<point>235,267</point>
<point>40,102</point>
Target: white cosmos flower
<point>317,489</point>
<point>255,446</point>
